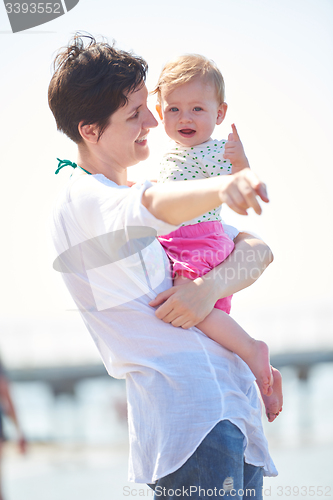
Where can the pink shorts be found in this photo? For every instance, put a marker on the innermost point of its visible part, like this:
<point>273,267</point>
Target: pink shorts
<point>196,249</point>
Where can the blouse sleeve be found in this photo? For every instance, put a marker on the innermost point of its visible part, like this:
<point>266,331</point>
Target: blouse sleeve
<point>101,206</point>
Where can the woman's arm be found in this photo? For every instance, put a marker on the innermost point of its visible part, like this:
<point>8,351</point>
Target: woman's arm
<point>242,267</point>
<point>178,201</point>
<point>188,304</point>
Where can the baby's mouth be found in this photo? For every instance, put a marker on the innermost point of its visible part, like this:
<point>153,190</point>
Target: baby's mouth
<point>186,132</point>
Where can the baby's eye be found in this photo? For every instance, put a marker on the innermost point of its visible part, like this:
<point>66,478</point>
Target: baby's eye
<point>173,110</point>
<point>197,108</point>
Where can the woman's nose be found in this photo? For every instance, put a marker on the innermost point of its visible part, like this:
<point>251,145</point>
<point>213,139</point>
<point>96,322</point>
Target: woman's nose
<point>150,121</point>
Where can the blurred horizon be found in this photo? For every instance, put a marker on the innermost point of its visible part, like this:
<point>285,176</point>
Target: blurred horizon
<point>62,339</point>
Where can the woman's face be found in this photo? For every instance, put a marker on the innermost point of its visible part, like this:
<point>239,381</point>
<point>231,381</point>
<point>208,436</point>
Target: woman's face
<point>124,141</point>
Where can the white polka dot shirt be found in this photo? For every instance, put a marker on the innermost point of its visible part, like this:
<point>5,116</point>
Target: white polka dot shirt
<point>197,162</point>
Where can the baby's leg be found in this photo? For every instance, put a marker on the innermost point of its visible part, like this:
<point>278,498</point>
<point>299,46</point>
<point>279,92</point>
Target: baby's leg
<point>273,403</point>
<point>219,326</point>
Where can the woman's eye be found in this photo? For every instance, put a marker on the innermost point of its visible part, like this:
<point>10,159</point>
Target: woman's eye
<point>135,115</point>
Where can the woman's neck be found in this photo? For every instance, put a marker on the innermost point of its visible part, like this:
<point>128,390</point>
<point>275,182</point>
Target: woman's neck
<point>96,165</point>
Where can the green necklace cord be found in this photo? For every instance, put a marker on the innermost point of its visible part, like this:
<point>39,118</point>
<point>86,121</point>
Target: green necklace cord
<point>65,163</point>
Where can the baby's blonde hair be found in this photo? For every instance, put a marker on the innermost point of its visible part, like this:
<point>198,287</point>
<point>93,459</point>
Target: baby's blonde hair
<point>183,69</point>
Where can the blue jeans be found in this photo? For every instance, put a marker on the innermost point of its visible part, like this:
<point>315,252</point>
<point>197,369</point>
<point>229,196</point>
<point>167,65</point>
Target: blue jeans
<point>215,470</point>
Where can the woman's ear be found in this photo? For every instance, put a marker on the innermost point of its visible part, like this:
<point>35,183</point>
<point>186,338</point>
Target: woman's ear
<point>159,111</point>
<point>89,133</point>
<point>221,112</point>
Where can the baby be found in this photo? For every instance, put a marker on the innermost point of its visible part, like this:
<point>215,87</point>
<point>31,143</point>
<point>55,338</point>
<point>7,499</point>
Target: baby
<point>190,102</point>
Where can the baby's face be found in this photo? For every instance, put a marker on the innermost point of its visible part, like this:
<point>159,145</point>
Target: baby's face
<point>191,111</point>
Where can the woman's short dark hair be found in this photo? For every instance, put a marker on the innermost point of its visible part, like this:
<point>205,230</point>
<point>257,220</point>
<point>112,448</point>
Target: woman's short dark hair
<point>91,81</point>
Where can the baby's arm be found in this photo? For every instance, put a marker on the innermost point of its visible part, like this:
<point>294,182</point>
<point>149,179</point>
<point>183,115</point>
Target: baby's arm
<point>234,152</point>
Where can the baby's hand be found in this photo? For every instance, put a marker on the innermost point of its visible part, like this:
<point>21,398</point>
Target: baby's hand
<point>234,151</point>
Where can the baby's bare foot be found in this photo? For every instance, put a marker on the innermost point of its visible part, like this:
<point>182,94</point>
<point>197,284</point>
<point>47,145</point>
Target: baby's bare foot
<point>259,364</point>
<point>273,403</point>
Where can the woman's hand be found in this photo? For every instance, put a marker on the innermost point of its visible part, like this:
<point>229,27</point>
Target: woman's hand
<point>185,305</point>
<point>240,192</point>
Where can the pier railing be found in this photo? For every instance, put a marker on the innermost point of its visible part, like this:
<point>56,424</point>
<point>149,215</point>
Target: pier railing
<point>62,379</point>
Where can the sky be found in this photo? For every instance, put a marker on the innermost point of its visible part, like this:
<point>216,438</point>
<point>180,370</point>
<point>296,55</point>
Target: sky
<point>276,59</point>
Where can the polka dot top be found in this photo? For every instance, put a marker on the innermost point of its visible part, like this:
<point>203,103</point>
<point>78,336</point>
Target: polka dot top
<point>197,162</point>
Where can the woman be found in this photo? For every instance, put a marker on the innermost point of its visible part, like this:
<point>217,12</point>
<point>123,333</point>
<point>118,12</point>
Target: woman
<point>194,413</point>
<point>7,408</point>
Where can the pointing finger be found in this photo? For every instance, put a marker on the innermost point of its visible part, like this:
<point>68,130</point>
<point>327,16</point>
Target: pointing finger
<point>262,192</point>
<point>235,133</point>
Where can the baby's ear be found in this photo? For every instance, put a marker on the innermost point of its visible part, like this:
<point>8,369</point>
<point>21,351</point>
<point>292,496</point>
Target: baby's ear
<point>221,112</point>
<point>159,111</point>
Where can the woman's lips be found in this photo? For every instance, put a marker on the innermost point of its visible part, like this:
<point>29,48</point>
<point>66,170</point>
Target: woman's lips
<point>142,141</point>
<point>186,132</point>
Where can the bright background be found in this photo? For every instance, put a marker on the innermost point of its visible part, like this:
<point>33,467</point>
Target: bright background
<point>276,58</point>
